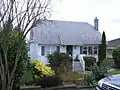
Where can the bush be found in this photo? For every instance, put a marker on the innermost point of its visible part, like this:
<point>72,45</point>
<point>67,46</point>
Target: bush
<point>27,78</point>
<point>89,61</point>
<point>13,45</point>
<point>37,70</point>
<point>71,77</point>
<point>116,56</point>
<point>60,62</point>
<point>98,72</point>
<point>40,70</point>
<point>90,79</point>
<point>49,81</point>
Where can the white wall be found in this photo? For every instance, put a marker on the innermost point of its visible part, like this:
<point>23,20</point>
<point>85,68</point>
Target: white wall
<point>63,49</point>
<point>76,50</point>
<point>33,50</point>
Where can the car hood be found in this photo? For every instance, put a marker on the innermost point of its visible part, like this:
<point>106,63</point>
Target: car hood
<point>114,80</point>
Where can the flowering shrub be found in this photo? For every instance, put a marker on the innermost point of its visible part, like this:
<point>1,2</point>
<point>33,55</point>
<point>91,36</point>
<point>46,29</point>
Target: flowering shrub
<point>41,70</point>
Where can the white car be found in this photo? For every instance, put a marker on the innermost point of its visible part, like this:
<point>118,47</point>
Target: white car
<point>109,83</point>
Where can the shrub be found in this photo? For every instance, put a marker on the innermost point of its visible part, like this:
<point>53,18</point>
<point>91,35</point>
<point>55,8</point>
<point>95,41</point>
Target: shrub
<point>36,70</point>
<point>116,56</point>
<point>89,61</point>
<point>40,70</point>
<point>23,61</point>
<point>98,72</point>
<point>60,61</point>
<point>49,81</point>
<point>71,77</point>
<point>90,79</point>
<point>27,78</point>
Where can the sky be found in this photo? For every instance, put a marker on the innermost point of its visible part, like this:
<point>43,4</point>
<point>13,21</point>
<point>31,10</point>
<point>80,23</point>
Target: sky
<point>107,11</point>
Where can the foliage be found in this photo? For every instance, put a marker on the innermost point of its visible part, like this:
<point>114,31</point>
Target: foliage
<point>49,81</point>
<point>89,61</point>
<point>40,70</point>
<point>27,78</point>
<point>116,56</point>
<point>102,51</point>
<point>71,77</point>
<point>36,71</point>
<point>22,16</point>
<point>60,61</point>
<point>101,71</point>
<point>98,72</point>
<point>11,53</point>
<point>90,79</point>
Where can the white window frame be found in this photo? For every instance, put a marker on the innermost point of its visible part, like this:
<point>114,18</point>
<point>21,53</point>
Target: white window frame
<point>95,49</point>
<point>49,50</point>
<point>85,50</point>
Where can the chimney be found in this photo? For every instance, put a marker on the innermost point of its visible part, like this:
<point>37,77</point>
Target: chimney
<point>96,23</point>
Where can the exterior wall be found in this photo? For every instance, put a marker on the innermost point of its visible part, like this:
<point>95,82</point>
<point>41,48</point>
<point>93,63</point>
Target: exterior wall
<point>109,53</point>
<point>109,56</point>
<point>35,51</point>
<point>76,50</point>
<point>63,49</point>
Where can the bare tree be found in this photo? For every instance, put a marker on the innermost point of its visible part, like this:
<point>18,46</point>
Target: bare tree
<point>22,15</point>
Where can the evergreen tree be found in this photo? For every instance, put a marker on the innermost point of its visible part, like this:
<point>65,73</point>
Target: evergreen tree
<point>102,50</point>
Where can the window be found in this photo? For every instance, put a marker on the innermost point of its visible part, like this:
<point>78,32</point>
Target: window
<point>42,50</point>
<point>58,49</point>
<point>95,50</point>
<point>49,49</point>
<point>85,50</point>
<point>81,50</point>
<point>90,50</point>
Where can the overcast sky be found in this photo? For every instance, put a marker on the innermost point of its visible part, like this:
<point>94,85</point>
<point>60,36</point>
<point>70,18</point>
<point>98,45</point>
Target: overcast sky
<point>108,12</point>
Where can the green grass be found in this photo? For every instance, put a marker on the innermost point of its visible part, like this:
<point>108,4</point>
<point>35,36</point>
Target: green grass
<point>114,72</point>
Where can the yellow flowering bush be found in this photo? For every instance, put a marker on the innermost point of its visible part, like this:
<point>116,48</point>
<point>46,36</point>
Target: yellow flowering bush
<point>41,70</point>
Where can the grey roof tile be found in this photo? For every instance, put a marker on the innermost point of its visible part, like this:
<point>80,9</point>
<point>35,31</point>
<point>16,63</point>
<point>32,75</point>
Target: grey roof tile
<point>66,33</point>
<point>113,43</point>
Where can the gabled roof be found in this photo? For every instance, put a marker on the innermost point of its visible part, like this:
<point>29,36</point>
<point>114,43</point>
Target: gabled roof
<point>66,33</point>
<point>113,43</point>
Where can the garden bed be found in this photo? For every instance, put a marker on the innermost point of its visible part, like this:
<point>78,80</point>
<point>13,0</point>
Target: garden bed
<point>68,87</point>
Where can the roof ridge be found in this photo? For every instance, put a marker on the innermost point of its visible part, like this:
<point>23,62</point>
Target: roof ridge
<point>69,21</point>
<point>114,39</point>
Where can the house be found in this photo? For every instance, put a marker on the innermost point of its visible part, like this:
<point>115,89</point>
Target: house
<point>74,38</point>
<point>110,46</point>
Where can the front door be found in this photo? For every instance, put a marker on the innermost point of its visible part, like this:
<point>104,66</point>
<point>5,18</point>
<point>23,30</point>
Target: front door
<point>69,49</point>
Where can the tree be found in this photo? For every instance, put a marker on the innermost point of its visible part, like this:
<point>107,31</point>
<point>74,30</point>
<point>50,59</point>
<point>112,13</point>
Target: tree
<point>25,15</point>
<point>102,50</point>
<point>23,60</point>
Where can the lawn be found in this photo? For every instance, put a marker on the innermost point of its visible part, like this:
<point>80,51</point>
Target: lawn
<point>114,72</point>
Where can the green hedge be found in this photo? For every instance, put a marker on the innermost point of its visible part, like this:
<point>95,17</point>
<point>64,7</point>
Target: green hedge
<point>116,57</point>
<point>89,61</point>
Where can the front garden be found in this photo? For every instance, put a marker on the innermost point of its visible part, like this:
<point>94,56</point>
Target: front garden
<point>57,73</point>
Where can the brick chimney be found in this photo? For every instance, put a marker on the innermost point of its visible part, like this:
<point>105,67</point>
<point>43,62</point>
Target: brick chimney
<point>96,22</point>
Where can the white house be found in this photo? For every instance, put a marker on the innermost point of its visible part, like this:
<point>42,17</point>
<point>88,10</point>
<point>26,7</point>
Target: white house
<point>75,38</point>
